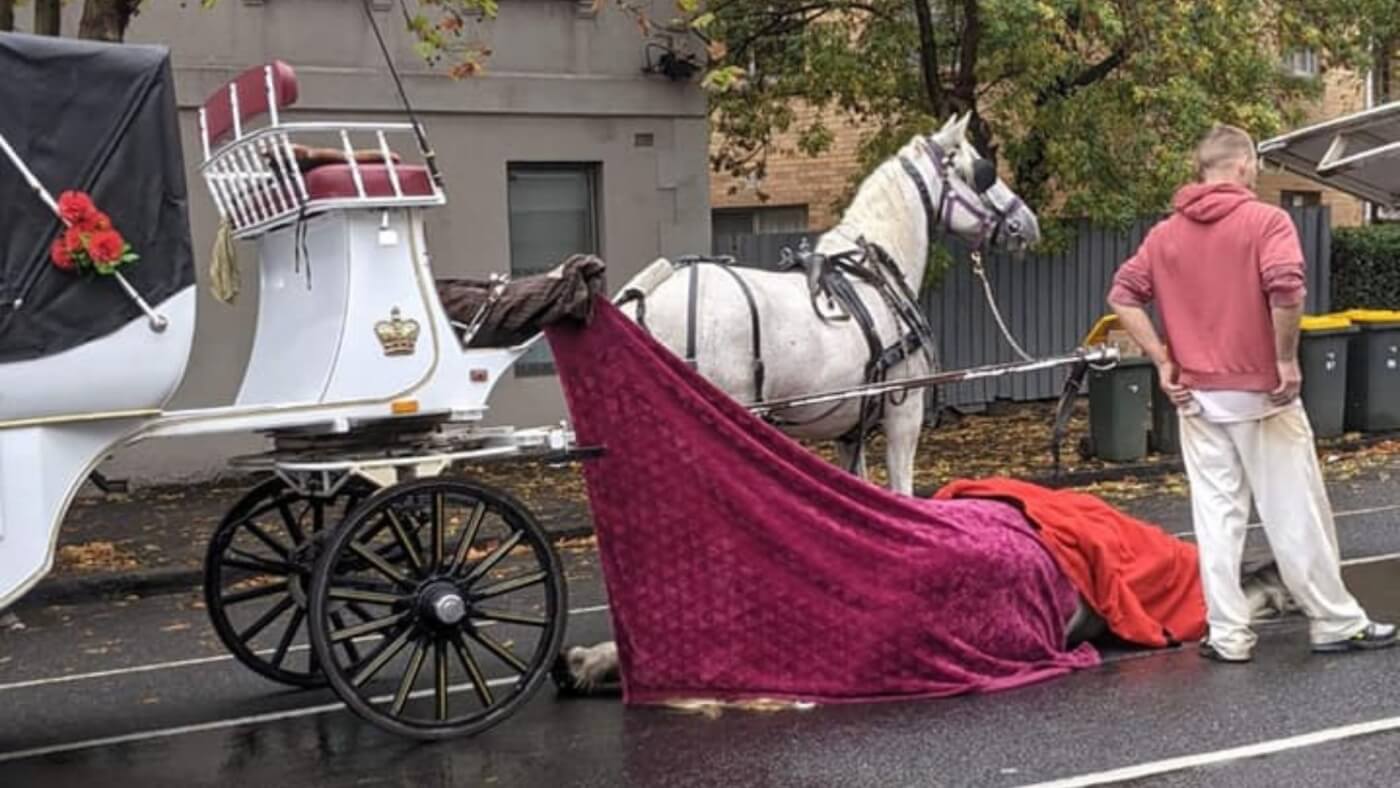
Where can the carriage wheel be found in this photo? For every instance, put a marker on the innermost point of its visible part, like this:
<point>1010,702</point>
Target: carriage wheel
<point>464,624</point>
<point>258,568</point>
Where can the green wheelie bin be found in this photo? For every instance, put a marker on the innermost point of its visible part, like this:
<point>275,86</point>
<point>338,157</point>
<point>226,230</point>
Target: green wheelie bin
<point>1373,371</point>
<point>1166,428</point>
<point>1120,400</point>
<point>1323,358</point>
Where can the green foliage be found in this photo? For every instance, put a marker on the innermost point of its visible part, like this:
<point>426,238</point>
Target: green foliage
<point>1366,267</point>
<point>1091,106</point>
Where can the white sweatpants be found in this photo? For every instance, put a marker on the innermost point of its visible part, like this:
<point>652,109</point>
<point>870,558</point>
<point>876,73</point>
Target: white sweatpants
<point>1273,459</point>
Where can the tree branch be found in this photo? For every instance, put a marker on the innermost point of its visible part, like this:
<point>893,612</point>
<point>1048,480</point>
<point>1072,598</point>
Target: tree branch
<point>107,20</point>
<point>48,17</point>
<point>1097,71</point>
<point>928,59</point>
<point>965,86</point>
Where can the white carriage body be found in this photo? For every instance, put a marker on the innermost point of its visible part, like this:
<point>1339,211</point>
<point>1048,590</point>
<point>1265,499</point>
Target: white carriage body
<point>350,331</point>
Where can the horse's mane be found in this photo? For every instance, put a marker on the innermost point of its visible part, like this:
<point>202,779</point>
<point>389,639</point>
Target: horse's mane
<point>882,213</point>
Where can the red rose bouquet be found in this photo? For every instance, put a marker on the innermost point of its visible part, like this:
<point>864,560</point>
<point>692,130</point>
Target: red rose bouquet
<point>90,242</point>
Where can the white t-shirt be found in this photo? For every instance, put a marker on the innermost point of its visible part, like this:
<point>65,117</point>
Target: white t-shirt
<point>1224,407</point>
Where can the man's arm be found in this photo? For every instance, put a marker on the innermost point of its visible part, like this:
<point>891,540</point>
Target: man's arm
<point>1281,270</point>
<point>1139,326</point>
<point>1287,323</point>
<point>1287,320</point>
<point>1130,294</point>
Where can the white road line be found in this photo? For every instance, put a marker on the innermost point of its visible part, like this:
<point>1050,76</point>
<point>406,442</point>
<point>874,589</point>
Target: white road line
<point>1184,762</point>
<point>1371,559</point>
<point>1335,516</point>
<point>181,730</point>
<point>186,663</point>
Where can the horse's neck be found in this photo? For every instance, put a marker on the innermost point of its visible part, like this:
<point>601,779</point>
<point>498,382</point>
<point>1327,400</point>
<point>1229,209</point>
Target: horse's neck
<point>881,214</point>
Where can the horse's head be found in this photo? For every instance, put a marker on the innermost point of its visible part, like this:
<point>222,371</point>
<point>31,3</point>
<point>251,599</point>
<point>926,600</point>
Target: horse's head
<point>965,193</point>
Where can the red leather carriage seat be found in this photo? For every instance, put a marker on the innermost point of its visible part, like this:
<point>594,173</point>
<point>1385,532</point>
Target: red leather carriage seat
<point>336,181</point>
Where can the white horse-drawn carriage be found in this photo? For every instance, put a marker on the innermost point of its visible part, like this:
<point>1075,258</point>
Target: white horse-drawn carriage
<point>411,585</point>
<point>432,605</point>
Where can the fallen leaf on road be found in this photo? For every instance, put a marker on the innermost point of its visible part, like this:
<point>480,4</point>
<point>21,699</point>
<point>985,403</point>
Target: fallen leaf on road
<point>95,556</point>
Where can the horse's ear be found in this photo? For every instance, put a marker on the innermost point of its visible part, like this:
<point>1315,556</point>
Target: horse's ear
<point>960,130</point>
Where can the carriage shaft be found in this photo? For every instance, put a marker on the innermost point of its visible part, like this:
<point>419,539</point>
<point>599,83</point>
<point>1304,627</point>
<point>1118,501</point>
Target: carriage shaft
<point>1098,355</point>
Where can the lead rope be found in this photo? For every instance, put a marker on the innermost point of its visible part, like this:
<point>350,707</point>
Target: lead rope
<point>992,302</point>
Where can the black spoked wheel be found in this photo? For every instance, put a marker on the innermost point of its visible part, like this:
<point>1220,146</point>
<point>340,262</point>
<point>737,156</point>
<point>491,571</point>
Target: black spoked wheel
<point>467,608</point>
<point>258,569</point>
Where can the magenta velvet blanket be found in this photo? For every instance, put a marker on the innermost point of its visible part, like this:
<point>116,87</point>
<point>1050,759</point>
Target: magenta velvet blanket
<point>740,565</point>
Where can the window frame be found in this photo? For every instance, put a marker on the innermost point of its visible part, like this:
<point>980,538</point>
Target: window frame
<point>593,172</point>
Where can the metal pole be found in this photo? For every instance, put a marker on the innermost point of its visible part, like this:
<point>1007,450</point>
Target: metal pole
<point>1095,356</point>
<point>429,157</point>
<point>158,321</point>
<point>29,177</point>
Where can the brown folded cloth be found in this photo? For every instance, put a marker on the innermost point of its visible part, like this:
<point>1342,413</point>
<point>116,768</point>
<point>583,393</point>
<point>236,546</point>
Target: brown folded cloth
<point>529,304</point>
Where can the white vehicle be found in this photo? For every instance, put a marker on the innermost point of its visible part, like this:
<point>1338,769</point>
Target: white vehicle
<point>434,606</point>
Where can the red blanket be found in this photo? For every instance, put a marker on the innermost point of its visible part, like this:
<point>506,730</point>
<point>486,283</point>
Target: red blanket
<point>739,564</point>
<point>1144,582</point>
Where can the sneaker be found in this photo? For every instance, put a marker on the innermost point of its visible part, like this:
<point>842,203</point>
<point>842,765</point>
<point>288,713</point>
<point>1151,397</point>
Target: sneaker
<point>1374,636</point>
<point>1210,652</point>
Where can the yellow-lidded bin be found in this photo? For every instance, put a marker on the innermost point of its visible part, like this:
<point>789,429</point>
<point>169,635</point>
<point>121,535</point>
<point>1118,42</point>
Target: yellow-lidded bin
<point>1322,356</point>
<point>1373,371</point>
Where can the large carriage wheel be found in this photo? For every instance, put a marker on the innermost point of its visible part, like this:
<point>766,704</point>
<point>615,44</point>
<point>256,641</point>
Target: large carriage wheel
<point>465,622</point>
<point>257,570</point>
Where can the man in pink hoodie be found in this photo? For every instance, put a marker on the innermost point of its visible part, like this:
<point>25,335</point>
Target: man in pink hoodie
<point>1226,273</point>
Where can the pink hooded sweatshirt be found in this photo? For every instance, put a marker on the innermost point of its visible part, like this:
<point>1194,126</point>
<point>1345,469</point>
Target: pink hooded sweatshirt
<point>1214,268</point>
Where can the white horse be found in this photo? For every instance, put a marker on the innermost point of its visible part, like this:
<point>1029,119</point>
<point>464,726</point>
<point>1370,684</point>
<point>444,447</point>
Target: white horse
<point>930,186</point>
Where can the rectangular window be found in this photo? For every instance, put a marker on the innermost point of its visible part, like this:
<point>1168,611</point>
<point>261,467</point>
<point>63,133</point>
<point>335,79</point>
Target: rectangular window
<point>1301,63</point>
<point>553,214</point>
<point>1299,199</point>
<point>766,219</point>
<point>727,224</point>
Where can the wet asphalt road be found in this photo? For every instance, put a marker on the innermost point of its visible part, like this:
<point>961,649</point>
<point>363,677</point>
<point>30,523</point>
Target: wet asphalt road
<point>140,693</point>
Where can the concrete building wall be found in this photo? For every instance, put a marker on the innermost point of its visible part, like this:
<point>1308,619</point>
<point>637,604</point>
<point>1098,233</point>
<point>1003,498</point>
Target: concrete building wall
<point>562,84</point>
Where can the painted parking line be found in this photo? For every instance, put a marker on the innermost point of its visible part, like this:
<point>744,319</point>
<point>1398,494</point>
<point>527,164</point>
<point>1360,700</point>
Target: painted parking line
<point>254,719</point>
<point>186,663</point>
<point>1185,762</point>
<point>1335,516</point>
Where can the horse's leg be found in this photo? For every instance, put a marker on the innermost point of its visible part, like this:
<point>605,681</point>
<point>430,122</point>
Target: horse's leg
<point>903,423</point>
<point>849,452</point>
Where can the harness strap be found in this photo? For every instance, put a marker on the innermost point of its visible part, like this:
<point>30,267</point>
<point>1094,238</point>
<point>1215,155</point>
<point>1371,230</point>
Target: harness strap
<point>690,317</point>
<point>755,325</point>
<point>754,330</point>
<point>934,215</point>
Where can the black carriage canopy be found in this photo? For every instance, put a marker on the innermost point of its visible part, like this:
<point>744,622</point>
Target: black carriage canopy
<point>98,118</point>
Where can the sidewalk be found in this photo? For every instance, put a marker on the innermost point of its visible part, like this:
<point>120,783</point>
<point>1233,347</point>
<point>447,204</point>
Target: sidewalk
<point>153,540</point>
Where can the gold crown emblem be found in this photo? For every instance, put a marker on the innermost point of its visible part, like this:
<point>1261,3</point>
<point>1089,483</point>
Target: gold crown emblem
<point>396,335</point>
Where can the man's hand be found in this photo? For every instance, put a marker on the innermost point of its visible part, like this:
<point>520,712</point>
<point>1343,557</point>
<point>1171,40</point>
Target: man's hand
<point>1290,382</point>
<point>1177,393</point>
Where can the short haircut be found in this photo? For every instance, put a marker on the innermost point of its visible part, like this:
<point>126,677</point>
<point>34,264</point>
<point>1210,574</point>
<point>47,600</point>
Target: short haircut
<point>1222,145</point>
